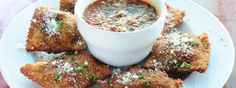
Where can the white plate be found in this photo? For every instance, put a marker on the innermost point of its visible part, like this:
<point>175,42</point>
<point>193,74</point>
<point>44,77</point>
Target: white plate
<point>197,21</point>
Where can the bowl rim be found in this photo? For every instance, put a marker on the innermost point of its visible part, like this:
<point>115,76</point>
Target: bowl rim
<point>163,12</point>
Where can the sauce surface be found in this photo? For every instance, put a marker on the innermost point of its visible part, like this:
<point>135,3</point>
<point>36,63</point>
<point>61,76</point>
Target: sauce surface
<point>120,15</point>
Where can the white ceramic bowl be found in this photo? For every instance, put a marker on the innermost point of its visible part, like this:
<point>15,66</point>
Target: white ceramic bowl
<point>120,48</point>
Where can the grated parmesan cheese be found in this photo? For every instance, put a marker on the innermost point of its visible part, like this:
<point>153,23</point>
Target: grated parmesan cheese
<point>156,63</point>
<point>179,44</point>
<point>116,71</point>
<point>34,20</point>
<point>169,18</point>
<point>62,66</point>
<point>127,78</point>
<point>50,23</point>
<point>51,27</point>
<point>85,63</point>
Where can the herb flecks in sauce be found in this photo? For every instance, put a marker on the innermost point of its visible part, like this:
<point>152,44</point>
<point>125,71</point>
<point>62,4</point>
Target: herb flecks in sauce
<point>120,16</point>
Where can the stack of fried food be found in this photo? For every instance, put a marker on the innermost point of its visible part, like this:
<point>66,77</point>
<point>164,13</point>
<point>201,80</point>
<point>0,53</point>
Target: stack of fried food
<point>55,31</point>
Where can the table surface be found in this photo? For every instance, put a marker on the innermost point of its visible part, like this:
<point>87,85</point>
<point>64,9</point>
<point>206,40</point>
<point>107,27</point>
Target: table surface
<point>224,10</point>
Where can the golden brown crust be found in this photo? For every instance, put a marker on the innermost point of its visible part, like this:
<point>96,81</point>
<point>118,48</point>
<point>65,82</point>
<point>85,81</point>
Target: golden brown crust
<point>170,60</point>
<point>140,78</point>
<point>67,5</point>
<point>67,39</point>
<point>174,19</point>
<point>44,73</point>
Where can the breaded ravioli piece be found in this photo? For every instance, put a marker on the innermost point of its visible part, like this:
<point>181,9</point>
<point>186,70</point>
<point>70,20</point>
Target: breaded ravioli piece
<point>182,53</point>
<point>67,5</point>
<point>138,77</point>
<point>53,31</point>
<point>174,18</point>
<point>72,70</point>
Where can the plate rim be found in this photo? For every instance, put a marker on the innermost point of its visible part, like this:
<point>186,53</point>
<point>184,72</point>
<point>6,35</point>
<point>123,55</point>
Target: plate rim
<point>189,1</point>
<point>228,35</point>
<point>7,29</point>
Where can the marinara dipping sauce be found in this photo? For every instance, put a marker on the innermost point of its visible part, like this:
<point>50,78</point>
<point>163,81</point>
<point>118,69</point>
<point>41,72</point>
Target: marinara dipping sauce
<point>120,15</point>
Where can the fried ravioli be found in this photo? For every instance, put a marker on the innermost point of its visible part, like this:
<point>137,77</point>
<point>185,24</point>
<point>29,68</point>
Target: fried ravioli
<point>182,53</point>
<point>138,77</point>
<point>67,5</point>
<point>173,19</point>
<point>72,70</point>
<point>53,31</point>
